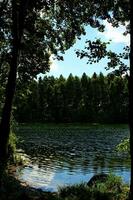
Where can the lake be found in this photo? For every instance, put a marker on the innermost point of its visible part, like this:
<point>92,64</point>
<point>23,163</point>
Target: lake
<point>66,155</point>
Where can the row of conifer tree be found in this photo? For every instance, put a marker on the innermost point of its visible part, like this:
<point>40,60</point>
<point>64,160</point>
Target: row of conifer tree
<point>99,98</point>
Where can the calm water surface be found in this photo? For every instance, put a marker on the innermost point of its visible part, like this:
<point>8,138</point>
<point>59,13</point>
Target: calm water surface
<point>66,155</point>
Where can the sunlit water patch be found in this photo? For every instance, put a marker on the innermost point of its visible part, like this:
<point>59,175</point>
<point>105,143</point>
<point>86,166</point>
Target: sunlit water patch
<point>64,156</point>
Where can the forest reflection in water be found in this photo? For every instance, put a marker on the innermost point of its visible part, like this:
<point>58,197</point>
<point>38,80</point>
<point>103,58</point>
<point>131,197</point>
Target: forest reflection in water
<point>67,155</point>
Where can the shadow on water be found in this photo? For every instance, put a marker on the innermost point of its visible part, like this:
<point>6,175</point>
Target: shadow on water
<point>63,155</point>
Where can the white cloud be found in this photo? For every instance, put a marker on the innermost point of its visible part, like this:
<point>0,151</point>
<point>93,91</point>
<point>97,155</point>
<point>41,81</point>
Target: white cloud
<point>54,66</point>
<point>115,34</point>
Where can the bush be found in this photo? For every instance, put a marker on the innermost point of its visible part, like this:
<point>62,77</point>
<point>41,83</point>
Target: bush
<point>12,141</point>
<point>12,147</point>
<point>124,146</point>
<point>112,189</point>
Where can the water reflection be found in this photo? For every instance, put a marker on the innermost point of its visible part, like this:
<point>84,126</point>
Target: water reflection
<point>64,156</point>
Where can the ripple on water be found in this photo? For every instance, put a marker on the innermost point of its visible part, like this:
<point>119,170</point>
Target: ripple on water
<point>64,157</point>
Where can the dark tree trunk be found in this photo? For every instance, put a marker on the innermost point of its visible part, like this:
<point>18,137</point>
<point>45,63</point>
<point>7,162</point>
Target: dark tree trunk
<point>5,122</point>
<point>131,106</point>
<point>10,90</point>
<point>18,14</point>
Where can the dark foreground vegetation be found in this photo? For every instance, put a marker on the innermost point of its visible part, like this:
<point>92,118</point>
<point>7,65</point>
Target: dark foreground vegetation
<point>111,189</point>
<point>96,99</point>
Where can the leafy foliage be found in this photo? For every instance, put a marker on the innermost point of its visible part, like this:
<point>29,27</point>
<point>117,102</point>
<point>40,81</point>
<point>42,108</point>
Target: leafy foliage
<point>97,50</point>
<point>51,27</point>
<point>124,146</point>
<point>113,188</point>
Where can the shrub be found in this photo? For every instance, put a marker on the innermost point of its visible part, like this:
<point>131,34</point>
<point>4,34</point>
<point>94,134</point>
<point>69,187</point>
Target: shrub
<point>112,189</point>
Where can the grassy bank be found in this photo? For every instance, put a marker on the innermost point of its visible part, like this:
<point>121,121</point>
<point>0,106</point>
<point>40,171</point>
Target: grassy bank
<point>111,189</point>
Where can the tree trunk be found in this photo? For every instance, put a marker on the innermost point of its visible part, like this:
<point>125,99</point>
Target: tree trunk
<point>18,17</point>
<point>5,122</point>
<point>131,123</point>
<point>131,105</point>
<point>10,91</point>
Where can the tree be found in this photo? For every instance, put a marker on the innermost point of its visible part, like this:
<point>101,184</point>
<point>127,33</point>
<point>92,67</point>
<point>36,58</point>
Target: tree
<point>131,106</point>
<point>42,100</point>
<point>86,99</point>
<point>77,98</point>
<point>103,99</point>
<point>69,86</point>
<point>96,96</point>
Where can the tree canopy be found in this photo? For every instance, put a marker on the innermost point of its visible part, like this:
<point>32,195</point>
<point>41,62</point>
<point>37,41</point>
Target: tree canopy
<point>51,27</point>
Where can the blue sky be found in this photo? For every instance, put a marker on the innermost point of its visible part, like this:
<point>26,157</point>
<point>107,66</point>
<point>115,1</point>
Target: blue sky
<point>77,67</point>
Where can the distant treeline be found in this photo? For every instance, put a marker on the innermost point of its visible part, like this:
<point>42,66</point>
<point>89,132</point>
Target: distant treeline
<point>97,99</point>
